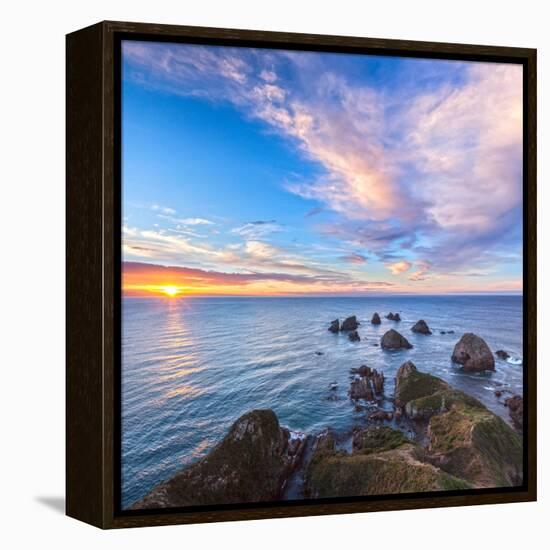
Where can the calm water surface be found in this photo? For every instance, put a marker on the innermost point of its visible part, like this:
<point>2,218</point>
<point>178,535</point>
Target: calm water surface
<point>192,366</point>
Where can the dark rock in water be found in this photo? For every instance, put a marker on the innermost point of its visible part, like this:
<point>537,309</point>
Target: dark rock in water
<point>334,326</point>
<point>333,386</point>
<point>501,354</point>
<point>383,461</point>
<point>442,332</point>
<point>376,345</point>
<point>375,319</point>
<point>515,405</point>
<point>450,332</point>
<point>473,353</point>
<point>368,385</point>
<point>421,327</point>
<point>393,316</point>
<point>498,393</point>
<point>354,336</point>
<point>393,340</point>
<point>319,353</point>
<point>350,324</point>
<point>251,464</point>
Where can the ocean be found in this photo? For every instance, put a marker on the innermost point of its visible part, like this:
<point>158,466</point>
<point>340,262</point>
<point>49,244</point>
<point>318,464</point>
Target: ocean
<point>192,366</point>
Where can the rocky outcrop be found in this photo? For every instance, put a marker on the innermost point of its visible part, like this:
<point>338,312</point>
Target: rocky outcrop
<point>354,336</point>
<point>412,387</point>
<point>470,441</point>
<point>393,316</point>
<point>501,354</point>
<point>381,415</point>
<point>421,327</point>
<point>473,353</point>
<point>375,319</point>
<point>350,324</point>
<point>393,340</point>
<point>334,326</point>
<point>464,438</point>
<point>383,461</point>
<point>368,384</point>
<point>251,464</point>
<point>515,406</point>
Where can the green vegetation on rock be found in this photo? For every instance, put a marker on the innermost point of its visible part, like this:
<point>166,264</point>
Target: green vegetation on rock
<point>384,462</point>
<point>249,465</point>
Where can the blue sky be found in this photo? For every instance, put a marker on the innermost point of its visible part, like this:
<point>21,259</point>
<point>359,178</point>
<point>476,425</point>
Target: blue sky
<point>249,171</point>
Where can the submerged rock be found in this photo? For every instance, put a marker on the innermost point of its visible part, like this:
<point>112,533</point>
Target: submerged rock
<point>383,461</point>
<point>515,405</point>
<point>354,336</point>
<point>350,324</point>
<point>421,327</point>
<point>334,326</point>
<point>473,353</point>
<point>393,340</point>
<point>251,464</point>
<point>501,354</point>
<point>393,316</point>
<point>375,319</point>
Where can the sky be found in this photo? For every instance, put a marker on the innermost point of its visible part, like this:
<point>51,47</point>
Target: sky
<point>275,172</point>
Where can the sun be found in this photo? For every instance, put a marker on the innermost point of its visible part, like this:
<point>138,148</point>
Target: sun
<point>170,290</point>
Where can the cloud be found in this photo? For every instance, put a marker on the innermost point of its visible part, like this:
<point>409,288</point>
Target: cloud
<point>354,259</point>
<point>314,211</point>
<point>145,279</point>
<point>194,221</point>
<point>399,267</point>
<point>431,164</point>
<point>165,210</point>
<point>257,229</point>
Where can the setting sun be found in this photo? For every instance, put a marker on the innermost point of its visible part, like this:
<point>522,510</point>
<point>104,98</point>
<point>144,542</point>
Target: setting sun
<point>170,290</point>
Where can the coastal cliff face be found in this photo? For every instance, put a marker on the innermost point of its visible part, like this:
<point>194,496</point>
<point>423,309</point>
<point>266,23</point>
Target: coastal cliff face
<point>251,464</point>
<point>458,444</point>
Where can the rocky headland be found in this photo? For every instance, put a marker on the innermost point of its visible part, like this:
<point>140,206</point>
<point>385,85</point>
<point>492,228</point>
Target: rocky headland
<point>426,436</point>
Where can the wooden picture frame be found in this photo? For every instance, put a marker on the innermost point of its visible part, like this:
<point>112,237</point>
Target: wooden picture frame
<point>93,210</point>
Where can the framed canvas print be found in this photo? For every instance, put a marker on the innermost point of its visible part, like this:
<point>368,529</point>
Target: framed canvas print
<point>301,274</point>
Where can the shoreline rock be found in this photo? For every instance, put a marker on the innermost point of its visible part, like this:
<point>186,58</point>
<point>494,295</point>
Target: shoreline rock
<point>393,340</point>
<point>354,336</point>
<point>473,353</point>
<point>376,319</point>
<point>251,464</point>
<point>515,406</point>
<point>334,326</point>
<point>368,385</point>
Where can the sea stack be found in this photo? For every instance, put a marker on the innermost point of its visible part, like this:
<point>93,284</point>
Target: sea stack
<point>334,326</point>
<point>421,327</point>
<point>375,319</point>
<point>473,353</point>
<point>393,316</point>
<point>350,324</point>
<point>393,340</point>
<point>354,336</point>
